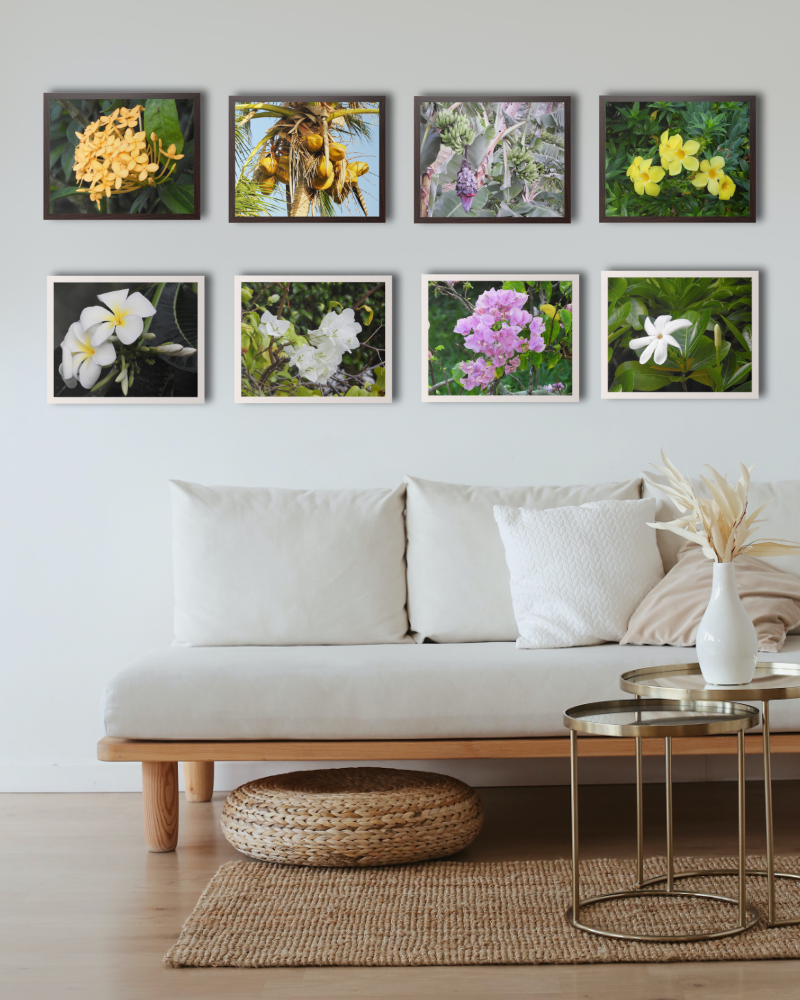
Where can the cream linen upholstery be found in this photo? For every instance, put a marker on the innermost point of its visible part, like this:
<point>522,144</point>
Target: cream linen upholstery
<point>459,588</point>
<point>670,614</point>
<point>377,692</point>
<point>278,567</point>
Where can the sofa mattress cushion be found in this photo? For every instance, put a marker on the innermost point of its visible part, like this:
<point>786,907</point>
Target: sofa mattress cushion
<point>377,692</point>
<point>258,566</point>
<point>459,588</point>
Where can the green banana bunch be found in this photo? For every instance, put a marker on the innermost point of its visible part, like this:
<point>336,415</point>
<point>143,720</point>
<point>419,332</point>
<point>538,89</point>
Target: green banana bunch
<point>552,138</point>
<point>522,161</point>
<point>445,119</point>
<point>458,135</point>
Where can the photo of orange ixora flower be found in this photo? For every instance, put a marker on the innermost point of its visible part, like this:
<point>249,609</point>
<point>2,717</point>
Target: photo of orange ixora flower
<point>120,156</point>
<point>688,160</point>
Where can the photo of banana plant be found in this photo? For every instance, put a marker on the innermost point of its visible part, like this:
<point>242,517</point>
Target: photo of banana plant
<point>680,334</point>
<point>687,160</point>
<point>509,338</point>
<point>307,159</point>
<point>122,156</point>
<point>492,161</point>
<point>313,339</point>
<point>135,339</point>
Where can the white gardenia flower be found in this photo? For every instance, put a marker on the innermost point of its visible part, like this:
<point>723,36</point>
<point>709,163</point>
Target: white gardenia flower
<point>80,361</point>
<point>270,326</point>
<point>659,337</point>
<point>125,317</point>
<point>340,327</point>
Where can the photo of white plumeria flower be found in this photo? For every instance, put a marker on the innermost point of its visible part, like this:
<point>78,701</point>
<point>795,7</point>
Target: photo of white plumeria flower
<point>143,343</point>
<point>313,340</point>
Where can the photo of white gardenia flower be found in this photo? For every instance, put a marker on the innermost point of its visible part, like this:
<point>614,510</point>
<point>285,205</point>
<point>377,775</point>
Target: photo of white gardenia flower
<point>144,343</point>
<point>659,338</point>
<point>314,339</point>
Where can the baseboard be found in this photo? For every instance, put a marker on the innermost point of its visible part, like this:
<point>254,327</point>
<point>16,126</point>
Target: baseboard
<point>95,776</point>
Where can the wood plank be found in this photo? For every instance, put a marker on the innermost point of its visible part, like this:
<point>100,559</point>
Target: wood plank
<point>112,748</point>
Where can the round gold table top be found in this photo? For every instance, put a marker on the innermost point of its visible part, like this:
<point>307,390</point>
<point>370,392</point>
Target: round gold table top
<point>660,717</point>
<point>685,682</point>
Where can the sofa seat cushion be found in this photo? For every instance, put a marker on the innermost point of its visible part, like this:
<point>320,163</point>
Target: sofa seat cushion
<point>423,691</point>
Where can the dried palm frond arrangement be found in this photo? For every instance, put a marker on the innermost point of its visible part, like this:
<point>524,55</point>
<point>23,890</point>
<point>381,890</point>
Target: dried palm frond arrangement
<point>719,523</point>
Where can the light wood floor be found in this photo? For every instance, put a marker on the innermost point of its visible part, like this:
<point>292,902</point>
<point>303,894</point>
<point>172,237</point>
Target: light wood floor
<point>86,912</point>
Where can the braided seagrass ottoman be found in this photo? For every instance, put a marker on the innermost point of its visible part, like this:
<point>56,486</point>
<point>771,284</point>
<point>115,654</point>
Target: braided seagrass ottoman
<point>352,817</point>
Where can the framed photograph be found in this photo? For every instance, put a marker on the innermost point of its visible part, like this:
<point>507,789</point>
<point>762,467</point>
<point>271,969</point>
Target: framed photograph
<point>121,155</point>
<point>482,160</point>
<point>688,159</point>
<point>500,338</point>
<point>134,339</point>
<point>307,159</point>
<point>680,334</point>
<point>313,339</point>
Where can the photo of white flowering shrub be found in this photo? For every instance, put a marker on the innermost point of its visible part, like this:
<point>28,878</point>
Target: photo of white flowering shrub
<point>130,339</point>
<point>122,156</point>
<point>506,161</point>
<point>508,338</point>
<point>313,339</point>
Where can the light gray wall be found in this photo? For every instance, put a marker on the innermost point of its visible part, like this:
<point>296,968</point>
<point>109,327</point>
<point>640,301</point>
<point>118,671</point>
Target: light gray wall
<point>86,522</point>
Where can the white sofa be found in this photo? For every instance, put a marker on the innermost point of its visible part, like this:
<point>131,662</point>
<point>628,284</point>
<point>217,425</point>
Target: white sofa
<point>405,595</point>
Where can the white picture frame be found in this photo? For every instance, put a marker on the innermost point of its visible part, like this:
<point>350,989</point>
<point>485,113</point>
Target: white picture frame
<point>368,280</point>
<point>55,389</point>
<point>573,397</point>
<point>605,375</point>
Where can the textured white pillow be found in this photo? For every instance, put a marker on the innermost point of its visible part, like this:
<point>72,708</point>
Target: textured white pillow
<point>579,573</point>
<point>458,585</point>
<point>288,567</point>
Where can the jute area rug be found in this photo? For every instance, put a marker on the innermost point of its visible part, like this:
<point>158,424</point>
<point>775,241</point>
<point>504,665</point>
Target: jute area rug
<point>255,915</point>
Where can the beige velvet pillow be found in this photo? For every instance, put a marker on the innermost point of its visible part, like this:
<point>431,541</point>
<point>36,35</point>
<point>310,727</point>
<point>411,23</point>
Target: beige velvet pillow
<point>671,612</point>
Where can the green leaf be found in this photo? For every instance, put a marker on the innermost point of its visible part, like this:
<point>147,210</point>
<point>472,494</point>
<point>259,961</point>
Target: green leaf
<point>430,149</point>
<point>161,117</point>
<point>56,152</point>
<point>140,200</point>
<point>514,286</point>
<point>739,336</point>
<point>616,287</point>
<point>380,378</point>
<point>625,381</point>
<point>178,198</point>
<point>619,312</point>
<point>716,379</point>
<point>547,290</point>
<point>704,353</point>
<point>64,192</point>
<point>566,319</point>
<point>738,375</point>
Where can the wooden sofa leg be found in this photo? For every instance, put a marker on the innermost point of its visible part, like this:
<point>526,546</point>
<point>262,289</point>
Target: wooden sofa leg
<point>198,780</point>
<point>160,794</point>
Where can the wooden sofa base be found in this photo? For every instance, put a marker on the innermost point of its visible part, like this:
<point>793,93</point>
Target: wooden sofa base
<point>159,759</point>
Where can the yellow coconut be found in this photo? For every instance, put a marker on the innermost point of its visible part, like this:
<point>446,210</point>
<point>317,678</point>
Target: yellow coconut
<point>314,143</point>
<point>337,151</point>
<point>324,169</point>
<point>321,184</point>
<point>268,185</point>
<point>268,165</point>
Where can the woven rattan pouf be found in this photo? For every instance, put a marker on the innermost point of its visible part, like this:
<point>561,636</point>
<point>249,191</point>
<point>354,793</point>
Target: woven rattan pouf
<point>352,816</point>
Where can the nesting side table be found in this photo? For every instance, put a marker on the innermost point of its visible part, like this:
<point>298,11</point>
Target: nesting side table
<point>772,682</point>
<point>667,718</point>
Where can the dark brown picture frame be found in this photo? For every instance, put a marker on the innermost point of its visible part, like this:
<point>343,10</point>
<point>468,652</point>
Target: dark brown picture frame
<point>551,220</point>
<point>627,98</point>
<point>246,99</point>
<point>115,95</point>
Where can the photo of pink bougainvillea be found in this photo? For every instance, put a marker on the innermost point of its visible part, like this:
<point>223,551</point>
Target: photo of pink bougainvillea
<point>493,161</point>
<point>503,338</point>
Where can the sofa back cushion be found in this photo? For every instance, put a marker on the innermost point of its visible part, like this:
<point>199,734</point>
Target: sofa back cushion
<point>459,587</point>
<point>280,567</point>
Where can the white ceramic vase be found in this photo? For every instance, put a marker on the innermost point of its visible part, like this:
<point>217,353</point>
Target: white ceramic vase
<point>727,644</point>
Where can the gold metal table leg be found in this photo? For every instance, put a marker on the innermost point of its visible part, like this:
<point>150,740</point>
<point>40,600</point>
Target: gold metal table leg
<point>573,760</point>
<point>771,916</point>
<point>639,815</point>
<point>668,783</point>
<point>742,851</point>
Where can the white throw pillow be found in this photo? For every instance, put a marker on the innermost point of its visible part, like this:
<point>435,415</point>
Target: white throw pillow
<point>579,573</point>
<point>458,583</point>
<point>288,567</point>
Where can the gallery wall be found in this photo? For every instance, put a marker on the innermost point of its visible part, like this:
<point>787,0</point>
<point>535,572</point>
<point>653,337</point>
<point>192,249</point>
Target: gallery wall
<point>85,505</point>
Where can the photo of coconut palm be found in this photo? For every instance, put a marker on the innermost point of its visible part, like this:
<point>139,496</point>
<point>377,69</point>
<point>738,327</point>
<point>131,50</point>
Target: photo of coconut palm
<point>313,339</point>
<point>122,156</point>
<point>677,335</point>
<point>125,340</point>
<point>500,338</point>
<point>678,160</point>
<point>483,161</point>
<point>307,160</point>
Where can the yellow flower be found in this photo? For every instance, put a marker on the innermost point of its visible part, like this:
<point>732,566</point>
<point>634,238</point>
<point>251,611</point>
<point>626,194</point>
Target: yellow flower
<point>675,153</point>
<point>113,155</point>
<point>710,174</point>
<point>646,178</point>
<point>727,189</point>
<point>633,169</point>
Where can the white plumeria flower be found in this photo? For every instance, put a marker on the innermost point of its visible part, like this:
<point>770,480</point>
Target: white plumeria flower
<point>659,338</point>
<point>80,361</point>
<point>125,317</point>
<point>272,327</point>
<point>340,327</point>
